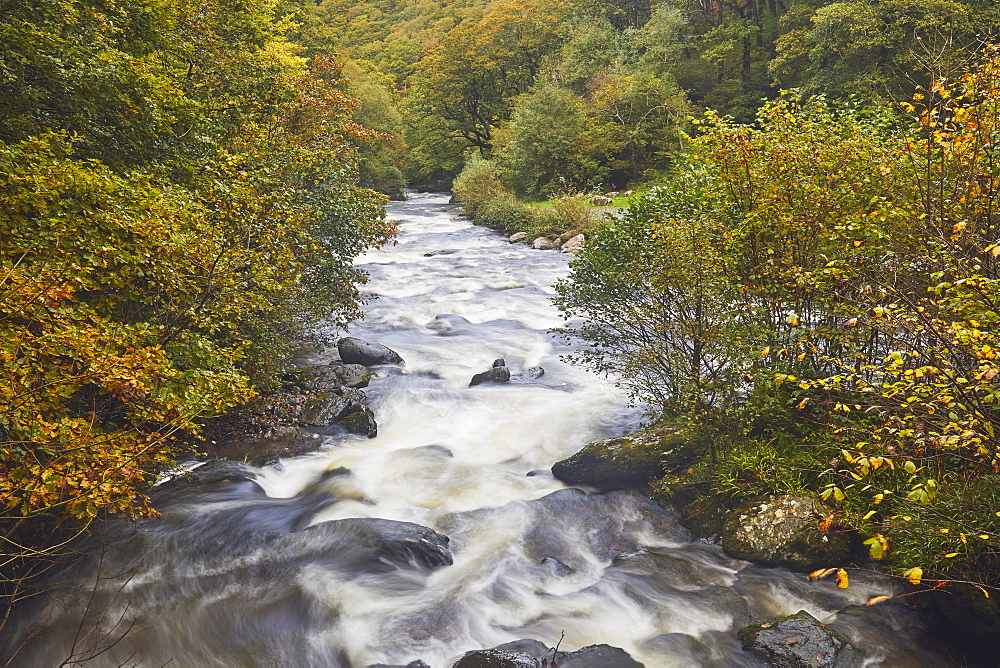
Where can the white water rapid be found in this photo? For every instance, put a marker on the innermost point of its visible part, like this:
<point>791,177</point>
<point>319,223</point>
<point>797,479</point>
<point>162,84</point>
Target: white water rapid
<point>274,568</point>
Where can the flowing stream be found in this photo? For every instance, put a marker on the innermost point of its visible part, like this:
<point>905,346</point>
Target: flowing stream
<point>300,563</point>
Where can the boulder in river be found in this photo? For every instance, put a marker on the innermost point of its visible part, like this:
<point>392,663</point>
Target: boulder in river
<point>358,351</point>
<point>497,658</point>
<point>783,531</point>
<point>498,373</point>
<point>543,243</point>
<point>361,422</point>
<point>629,461</point>
<point>518,237</point>
<point>324,409</point>
<point>533,654</point>
<point>798,641</point>
<point>368,545</point>
<point>326,377</point>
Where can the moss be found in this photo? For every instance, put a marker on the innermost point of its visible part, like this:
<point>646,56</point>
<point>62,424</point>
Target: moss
<point>633,460</point>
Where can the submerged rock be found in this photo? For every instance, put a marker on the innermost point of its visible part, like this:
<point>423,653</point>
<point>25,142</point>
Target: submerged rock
<point>372,545</point>
<point>358,351</point>
<point>782,531</point>
<point>529,374</point>
<point>629,461</point>
<point>798,641</point>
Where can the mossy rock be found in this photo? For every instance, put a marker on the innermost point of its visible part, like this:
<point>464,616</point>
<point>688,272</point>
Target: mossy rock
<point>361,422</point>
<point>630,461</point>
<point>783,531</point>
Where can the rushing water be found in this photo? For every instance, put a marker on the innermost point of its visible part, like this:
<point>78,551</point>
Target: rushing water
<point>272,567</point>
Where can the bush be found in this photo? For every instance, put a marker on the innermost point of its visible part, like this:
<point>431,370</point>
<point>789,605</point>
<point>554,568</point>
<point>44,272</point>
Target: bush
<point>504,214</point>
<point>478,184</point>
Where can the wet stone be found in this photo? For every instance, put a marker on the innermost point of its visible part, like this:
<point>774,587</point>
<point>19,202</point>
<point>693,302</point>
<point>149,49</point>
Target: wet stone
<point>328,377</point>
<point>497,658</point>
<point>496,375</point>
<point>358,351</point>
<point>361,423</point>
<point>324,409</point>
<point>798,641</point>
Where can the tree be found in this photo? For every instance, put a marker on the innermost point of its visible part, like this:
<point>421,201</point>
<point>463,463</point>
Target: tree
<point>552,142</point>
<point>462,90</point>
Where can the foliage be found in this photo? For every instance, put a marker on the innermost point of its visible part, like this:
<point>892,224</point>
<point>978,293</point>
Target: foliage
<point>852,257</point>
<point>178,203</point>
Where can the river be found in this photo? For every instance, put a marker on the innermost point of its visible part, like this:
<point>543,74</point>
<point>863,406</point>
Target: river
<point>270,567</point>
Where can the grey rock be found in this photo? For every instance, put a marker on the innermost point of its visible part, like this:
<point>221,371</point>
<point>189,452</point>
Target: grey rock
<point>782,531</point>
<point>798,641</point>
<point>497,658</point>
<point>498,374</point>
<point>533,653</point>
<point>518,237</point>
<point>499,362</point>
<point>325,378</point>
<point>597,656</point>
<point>325,409</point>
<point>573,244</point>
<point>529,374</point>
<point>541,243</point>
<point>358,351</point>
<point>600,200</point>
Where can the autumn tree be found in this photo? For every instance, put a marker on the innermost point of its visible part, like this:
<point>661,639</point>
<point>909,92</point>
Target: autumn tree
<point>178,202</point>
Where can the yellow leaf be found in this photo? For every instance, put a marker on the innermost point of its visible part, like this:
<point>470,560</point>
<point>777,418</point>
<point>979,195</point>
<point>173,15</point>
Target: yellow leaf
<point>842,580</point>
<point>877,599</point>
<point>914,575</point>
<point>793,319</point>
<point>985,593</point>
<point>958,227</point>
<point>765,351</point>
<point>821,573</point>
<point>950,555</point>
